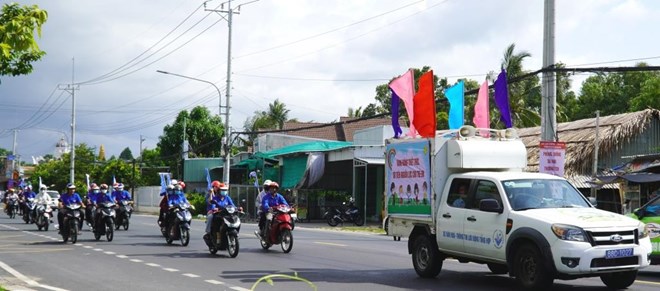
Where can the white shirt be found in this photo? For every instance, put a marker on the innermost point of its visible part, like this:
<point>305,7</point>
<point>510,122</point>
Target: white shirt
<point>43,198</point>
<point>260,197</point>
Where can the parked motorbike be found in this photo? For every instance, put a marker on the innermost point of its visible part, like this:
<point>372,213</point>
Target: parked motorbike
<point>29,213</point>
<point>44,215</point>
<point>71,222</point>
<point>105,221</point>
<point>348,213</point>
<point>178,225</point>
<point>124,214</point>
<point>278,228</point>
<point>224,231</point>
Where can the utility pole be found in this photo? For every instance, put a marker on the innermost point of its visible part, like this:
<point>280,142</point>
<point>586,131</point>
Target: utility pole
<point>549,89</point>
<point>13,152</point>
<point>594,170</point>
<point>71,88</point>
<point>142,139</point>
<point>227,138</point>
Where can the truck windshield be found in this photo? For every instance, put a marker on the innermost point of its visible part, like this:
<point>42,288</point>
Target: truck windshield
<point>542,193</point>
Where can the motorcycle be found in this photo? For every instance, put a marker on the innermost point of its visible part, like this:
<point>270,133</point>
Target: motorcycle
<point>12,207</point>
<point>178,226</point>
<point>105,222</point>
<point>90,213</point>
<point>224,231</point>
<point>124,214</point>
<point>350,213</point>
<point>30,211</point>
<point>44,215</point>
<point>278,228</point>
<point>71,222</point>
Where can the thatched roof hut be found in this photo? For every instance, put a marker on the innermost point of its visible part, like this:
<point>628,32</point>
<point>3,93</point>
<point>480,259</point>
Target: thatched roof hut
<point>614,132</point>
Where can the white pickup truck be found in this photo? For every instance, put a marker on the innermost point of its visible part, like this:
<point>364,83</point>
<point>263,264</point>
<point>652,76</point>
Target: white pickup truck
<point>466,197</point>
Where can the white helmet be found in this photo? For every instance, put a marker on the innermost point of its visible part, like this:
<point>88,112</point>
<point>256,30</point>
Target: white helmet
<point>174,182</point>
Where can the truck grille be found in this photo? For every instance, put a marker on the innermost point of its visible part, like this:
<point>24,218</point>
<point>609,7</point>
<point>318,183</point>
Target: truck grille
<point>609,238</point>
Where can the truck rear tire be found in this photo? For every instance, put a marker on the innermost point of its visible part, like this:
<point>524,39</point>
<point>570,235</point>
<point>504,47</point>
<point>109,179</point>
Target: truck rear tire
<point>426,257</point>
<point>530,269</point>
<point>619,280</point>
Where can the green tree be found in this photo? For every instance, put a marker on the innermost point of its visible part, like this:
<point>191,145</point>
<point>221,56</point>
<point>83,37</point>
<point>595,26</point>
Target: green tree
<point>18,47</point>
<point>4,152</point>
<point>203,132</point>
<point>649,97</point>
<point>278,113</point>
<point>151,164</point>
<point>56,172</point>
<point>123,171</point>
<point>126,154</point>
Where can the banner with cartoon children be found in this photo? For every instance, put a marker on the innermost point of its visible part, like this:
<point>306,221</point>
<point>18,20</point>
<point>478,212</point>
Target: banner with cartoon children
<point>408,176</point>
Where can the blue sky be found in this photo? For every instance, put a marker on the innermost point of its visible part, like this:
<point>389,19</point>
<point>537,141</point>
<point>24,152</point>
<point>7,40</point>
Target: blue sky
<point>318,57</point>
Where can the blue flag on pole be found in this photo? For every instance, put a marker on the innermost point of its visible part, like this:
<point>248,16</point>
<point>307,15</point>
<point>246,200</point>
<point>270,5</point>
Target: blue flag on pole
<point>455,95</point>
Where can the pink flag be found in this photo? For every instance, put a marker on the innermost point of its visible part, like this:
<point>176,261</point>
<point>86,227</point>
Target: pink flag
<point>404,87</point>
<point>481,111</point>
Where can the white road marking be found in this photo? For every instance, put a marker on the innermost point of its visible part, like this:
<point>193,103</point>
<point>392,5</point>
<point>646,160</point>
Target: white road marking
<point>26,279</point>
<point>109,253</point>
<point>122,256</point>
<point>239,288</point>
<point>214,282</point>
<point>330,244</point>
<point>191,275</point>
<point>170,269</point>
<point>98,250</point>
<point>136,261</point>
<point>88,247</point>
<point>152,264</point>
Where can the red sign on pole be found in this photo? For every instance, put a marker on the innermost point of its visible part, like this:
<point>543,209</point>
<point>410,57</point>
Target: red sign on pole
<point>551,157</point>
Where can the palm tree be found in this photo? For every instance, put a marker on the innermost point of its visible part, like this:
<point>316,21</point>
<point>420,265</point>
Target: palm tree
<point>522,113</point>
<point>278,113</point>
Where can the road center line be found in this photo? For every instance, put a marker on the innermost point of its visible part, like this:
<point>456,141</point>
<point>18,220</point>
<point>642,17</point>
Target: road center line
<point>109,253</point>
<point>170,269</point>
<point>152,264</point>
<point>88,247</point>
<point>330,244</point>
<point>98,250</point>
<point>136,261</point>
<point>122,256</point>
<point>239,288</point>
<point>214,282</point>
<point>191,275</point>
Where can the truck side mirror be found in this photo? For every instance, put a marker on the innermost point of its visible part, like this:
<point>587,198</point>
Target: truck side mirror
<point>490,205</point>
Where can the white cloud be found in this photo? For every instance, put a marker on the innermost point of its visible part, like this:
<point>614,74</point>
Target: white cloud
<point>453,37</point>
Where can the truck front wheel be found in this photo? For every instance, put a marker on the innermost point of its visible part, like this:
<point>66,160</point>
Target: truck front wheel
<point>426,257</point>
<point>619,280</point>
<point>529,268</point>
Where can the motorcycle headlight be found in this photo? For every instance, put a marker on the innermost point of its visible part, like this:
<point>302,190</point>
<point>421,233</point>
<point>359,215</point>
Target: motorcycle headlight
<point>569,232</point>
<point>188,216</point>
<point>76,214</point>
<point>643,230</point>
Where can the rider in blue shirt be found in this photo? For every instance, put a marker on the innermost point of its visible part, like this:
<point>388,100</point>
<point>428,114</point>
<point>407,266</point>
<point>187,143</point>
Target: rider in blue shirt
<point>272,198</point>
<point>28,193</point>
<point>92,196</point>
<point>68,198</point>
<point>219,199</point>
<point>176,198</point>
<point>120,194</point>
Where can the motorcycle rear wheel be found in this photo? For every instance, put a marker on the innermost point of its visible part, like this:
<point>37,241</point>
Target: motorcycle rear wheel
<point>287,241</point>
<point>185,237</point>
<point>359,220</point>
<point>264,245</point>
<point>126,224</point>
<point>232,245</point>
<point>332,221</point>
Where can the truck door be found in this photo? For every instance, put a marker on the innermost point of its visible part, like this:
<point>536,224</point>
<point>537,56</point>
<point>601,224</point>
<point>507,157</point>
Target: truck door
<point>451,216</point>
<point>485,230</point>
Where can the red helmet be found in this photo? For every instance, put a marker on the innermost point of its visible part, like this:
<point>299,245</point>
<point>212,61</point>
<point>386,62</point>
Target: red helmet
<point>183,185</point>
<point>104,186</point>
<point>274,185</point>
<point>215,184</point>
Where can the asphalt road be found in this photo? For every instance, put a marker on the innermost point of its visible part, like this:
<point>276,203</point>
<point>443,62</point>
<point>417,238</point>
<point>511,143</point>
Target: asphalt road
<point>139,259</point>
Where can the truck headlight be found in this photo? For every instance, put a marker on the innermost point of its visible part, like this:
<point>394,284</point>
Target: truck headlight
<point>569,232</point>
<point>643,230</point>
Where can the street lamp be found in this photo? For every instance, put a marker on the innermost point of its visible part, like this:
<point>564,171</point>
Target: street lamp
<point>226,139</point>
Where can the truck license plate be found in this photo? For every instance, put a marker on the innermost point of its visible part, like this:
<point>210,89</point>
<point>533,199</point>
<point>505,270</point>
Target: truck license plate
<point>620,253</point>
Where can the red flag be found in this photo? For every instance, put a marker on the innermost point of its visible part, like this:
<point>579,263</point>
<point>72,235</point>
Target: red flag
<point>424,106</point>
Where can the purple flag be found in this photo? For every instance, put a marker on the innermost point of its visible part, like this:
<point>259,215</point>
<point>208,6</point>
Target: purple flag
<point>395,114</point>
<point>502,98</point>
